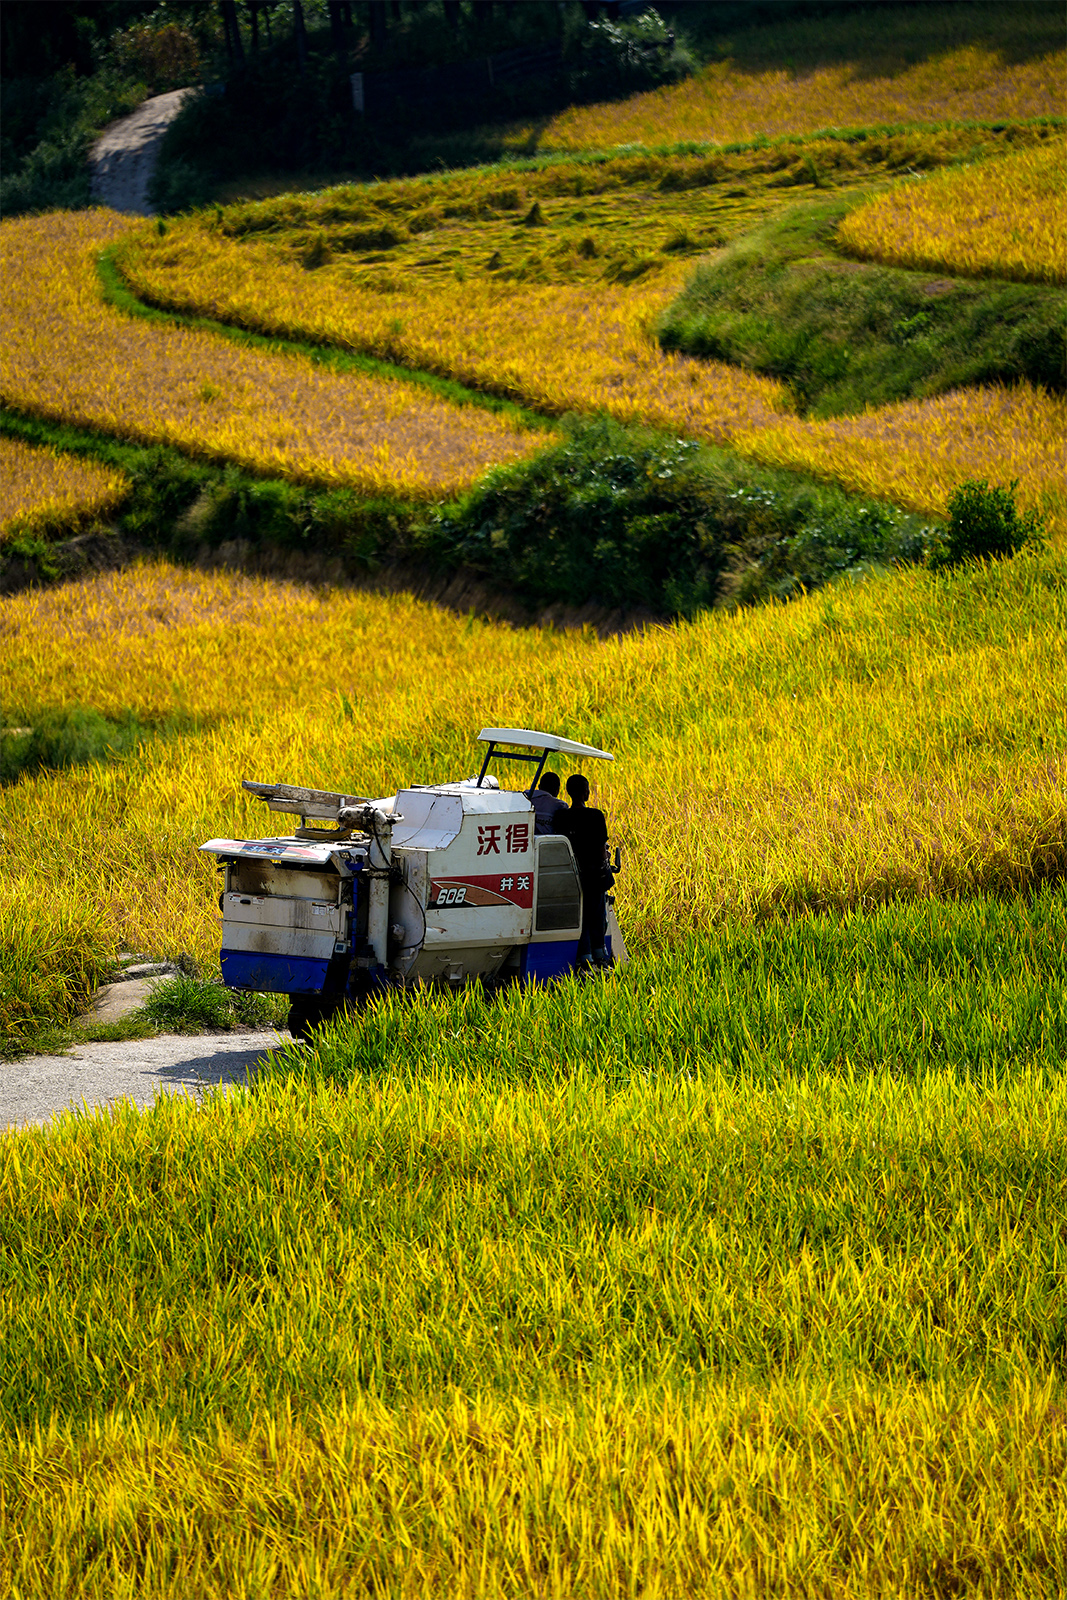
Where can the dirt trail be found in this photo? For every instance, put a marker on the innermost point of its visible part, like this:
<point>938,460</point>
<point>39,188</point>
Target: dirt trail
<point>124,157</point>
<point>34,1090</point>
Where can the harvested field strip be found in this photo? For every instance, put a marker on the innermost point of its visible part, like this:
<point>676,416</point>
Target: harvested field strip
<point>918,452</point>
<point>69,357</point>
<point>725,102</point>
<point>811,759</point>
<point>44,491</point>
<point>1003,219</point>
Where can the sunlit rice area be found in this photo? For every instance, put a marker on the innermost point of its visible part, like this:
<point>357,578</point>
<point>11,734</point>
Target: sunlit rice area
<point>69,357</point>
<point>1004,219</point>
<point>557,346</point>
<point>769,762</point>
<point>723,103</point>
<point>919,451</point>
<point>48,491</point>
<point>451,1329</point>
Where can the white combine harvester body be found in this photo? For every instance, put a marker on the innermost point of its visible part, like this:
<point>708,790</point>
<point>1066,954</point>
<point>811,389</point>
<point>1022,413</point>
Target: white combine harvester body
<point>439,883</point>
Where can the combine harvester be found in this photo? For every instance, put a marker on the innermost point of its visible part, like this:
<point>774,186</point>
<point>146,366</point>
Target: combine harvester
<point>439,884</point>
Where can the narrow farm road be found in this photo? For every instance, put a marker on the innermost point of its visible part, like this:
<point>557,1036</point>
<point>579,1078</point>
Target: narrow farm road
<point>124,157</point>
<point>34,1090</point>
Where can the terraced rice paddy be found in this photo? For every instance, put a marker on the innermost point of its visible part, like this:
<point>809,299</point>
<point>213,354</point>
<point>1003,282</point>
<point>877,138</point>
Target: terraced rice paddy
<point>1002,219</point>
<point>454,276</point>
<point>810,761</point>
<point>917,452</point>
<point>68,356</point>
<point>46,491</point>
<point>723,103</point>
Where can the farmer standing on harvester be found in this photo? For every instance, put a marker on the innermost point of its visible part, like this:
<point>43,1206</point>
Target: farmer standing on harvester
<point>587,830</point>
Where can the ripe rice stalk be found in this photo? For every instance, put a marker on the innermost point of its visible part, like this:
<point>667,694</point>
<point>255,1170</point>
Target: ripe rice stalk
<point>917,452</point>
<point>46,491</point>
<point>1002,219</point>
<point>725,102</point>
<point>404,1316</point>
<point>555,346</point>
<point>69,357</point>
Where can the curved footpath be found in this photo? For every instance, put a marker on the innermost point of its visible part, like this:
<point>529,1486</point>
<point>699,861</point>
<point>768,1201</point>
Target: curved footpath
<point>96,1076</point>
<point>124,157</point>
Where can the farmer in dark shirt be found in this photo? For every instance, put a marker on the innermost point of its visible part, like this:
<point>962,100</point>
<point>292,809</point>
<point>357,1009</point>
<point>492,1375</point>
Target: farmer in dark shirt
<point>587,831</point>
<point>546,802</point>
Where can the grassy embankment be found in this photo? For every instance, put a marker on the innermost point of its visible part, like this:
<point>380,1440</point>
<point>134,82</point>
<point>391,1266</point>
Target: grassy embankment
<point>787,301</point>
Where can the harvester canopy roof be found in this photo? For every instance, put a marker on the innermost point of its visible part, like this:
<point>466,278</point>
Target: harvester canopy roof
<point>532,740</point>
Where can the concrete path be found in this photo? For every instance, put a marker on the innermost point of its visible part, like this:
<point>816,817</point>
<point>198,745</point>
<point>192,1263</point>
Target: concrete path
<point>124,157</point>
<point>98,1075</point>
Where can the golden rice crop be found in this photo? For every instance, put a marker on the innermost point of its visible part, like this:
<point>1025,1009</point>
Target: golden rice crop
<point>916,453</point>
<point>779,758</point>
<point>70,357</point>
<point>555,346</point>
<point>1005,218</point>
<point>724,102</point>
<point>46,490</point>
<point>789,1488</point>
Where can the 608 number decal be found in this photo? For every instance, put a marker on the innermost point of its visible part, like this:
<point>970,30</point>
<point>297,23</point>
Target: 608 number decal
<point>454,896</point>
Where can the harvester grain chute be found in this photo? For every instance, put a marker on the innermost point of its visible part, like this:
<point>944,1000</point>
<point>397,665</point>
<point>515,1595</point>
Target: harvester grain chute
<point>439,884</point>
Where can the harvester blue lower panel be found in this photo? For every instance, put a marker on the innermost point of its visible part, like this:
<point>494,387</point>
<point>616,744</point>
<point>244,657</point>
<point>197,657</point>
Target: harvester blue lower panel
<point>549,960</point>
<point>246,969</point>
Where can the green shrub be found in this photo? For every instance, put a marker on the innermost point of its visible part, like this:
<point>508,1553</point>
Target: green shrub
<point>625,518</point>
<point>45,153</point>
<point>984,524</point>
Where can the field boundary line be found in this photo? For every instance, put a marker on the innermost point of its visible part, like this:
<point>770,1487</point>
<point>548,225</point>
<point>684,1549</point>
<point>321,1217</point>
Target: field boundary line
<point>119,295</point>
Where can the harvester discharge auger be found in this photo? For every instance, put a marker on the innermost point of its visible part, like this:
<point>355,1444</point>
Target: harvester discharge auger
<point>438,884</point>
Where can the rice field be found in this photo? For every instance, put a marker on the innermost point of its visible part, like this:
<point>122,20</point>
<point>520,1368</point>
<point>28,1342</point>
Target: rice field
<point>47,491</point>
<point>724,102</point>
<point>811,763</point>
<point>740,1274</point>
<point>553,313</point>
<point>916,453</point>
<point>450,275</point>
<point>1003,219</point>
<point>737,1274</point>
<point>70,357</point>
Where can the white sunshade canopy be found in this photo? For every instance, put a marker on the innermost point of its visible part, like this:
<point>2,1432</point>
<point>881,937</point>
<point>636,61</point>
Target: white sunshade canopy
<point>532,740</point>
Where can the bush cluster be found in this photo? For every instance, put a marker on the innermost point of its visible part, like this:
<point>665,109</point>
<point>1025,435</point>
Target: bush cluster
<point>49,125</point>
<point>625,518</point>
<point>985,524</point>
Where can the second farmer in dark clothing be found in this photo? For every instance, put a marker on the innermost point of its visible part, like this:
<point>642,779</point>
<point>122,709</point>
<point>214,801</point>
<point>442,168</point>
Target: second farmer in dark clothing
<point>587,831</point>
<point>546,802</point>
